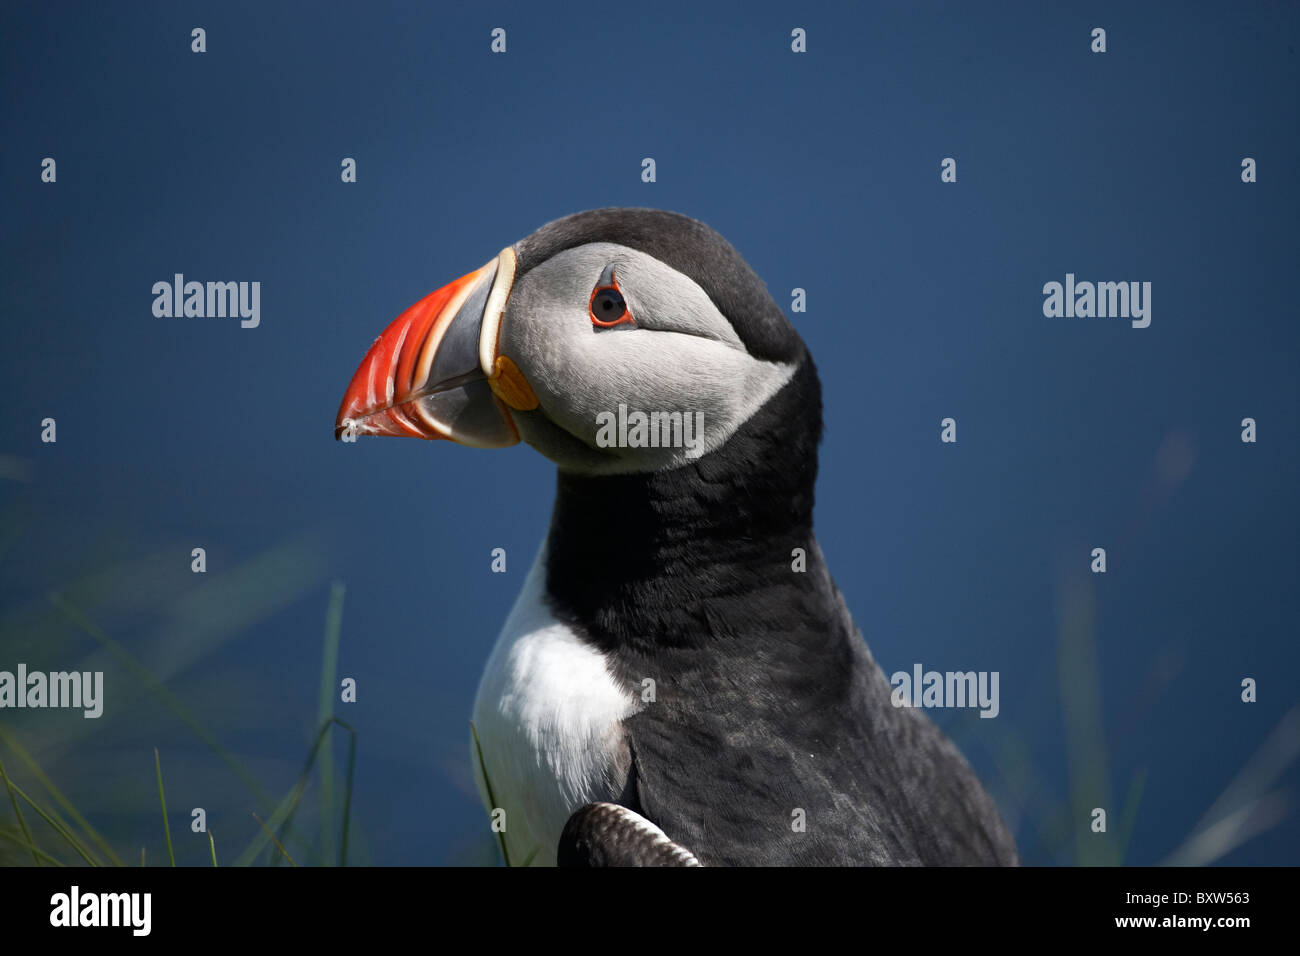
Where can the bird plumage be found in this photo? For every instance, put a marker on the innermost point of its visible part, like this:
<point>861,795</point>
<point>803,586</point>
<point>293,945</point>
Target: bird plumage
<point>679,649</point>
<point>767,699</point>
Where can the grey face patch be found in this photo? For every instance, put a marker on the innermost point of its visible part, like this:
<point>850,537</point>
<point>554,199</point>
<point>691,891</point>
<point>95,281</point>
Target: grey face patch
<point>678,356</point>
<point>690,247</point>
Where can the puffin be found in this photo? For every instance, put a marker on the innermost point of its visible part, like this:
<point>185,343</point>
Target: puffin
<point>679,682</point>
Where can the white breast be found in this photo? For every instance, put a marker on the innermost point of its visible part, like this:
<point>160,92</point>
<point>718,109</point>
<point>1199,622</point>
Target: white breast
<point>548,715</point>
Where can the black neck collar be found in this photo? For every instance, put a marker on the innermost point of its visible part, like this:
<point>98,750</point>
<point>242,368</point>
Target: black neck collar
<point>646,561</point>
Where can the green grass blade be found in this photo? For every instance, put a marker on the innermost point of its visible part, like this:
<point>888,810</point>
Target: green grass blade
<point>1246,808</point>
<point>260,842</point>
<point>478,749</point>
<point>347,795</point>
<point>271,835</point>
<point>212,846</point>
<point>35,769</point>
<point>1129,818</point>
<point>317,752</point>
<point>325,711</point>
<point>1085,744</point>
<point>169,700</point>
<point>58,827</point>
<point>167,829</point>
<point>282,819</point>
<point>36,854</point>
<point>28,845</point>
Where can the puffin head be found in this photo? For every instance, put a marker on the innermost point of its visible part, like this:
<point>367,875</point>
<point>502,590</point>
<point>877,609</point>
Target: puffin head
<point>613,341</point>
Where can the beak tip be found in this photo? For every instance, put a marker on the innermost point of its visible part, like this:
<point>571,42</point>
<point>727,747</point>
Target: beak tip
<point>349,426</point>
<point>399,387</point>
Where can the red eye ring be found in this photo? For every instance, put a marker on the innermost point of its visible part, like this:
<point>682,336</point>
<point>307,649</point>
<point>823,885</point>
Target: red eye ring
<point>612,305</point>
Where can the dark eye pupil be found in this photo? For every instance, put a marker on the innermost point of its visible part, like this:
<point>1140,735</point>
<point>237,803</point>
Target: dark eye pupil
<point>609,304</point>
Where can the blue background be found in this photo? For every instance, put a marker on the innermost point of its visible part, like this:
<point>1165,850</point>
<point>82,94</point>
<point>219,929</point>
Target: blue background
<point>924,301</point>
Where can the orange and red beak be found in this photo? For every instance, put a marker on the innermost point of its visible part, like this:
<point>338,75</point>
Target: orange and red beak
<point>435,372</point>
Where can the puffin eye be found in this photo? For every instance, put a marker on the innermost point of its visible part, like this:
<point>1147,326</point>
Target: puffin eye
<point>607,306</point>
